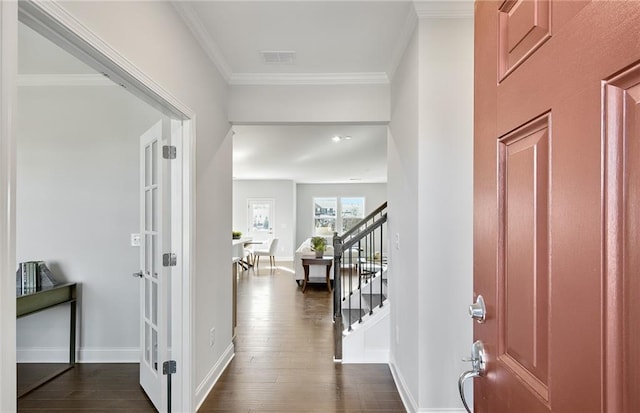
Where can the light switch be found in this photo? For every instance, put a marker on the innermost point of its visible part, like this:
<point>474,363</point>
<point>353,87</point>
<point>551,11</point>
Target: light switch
<point>135,240</point>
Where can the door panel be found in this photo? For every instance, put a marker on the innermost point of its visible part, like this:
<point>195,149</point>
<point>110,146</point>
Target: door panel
<point>622,263</point>
<point>523,27</point>
<point>553,230</point>
<point>524,271</point>
<point>153,295</point>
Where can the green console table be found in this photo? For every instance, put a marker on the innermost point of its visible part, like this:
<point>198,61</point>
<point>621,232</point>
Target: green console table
<point>41,300</point>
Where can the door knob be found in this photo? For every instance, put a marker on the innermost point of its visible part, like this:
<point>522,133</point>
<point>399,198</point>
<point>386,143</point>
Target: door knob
<point>477,310</point>
<point>138,274</point>
<point>478,368</point>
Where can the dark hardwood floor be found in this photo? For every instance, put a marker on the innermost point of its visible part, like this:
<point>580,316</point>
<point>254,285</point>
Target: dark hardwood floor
<point>284,355</point>
<point>283,363</point>
<point>96,388</point>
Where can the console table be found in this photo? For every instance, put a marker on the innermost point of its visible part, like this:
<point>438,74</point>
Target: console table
<point>41,300</point>
<point>306,262</point>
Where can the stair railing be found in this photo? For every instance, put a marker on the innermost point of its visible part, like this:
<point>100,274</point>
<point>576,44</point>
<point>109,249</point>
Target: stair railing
<point>359,255</point>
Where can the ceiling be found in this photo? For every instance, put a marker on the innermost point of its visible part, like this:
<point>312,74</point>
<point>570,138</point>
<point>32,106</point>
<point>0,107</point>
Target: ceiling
<point>345,41</point>
<point>348,38</point>
<point>308,154</point>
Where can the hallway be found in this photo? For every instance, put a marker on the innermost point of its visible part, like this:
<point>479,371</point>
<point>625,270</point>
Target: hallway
<point>284,355</point>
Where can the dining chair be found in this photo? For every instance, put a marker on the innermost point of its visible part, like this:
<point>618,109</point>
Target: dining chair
<point>270,252</point>
<point>248,257</point>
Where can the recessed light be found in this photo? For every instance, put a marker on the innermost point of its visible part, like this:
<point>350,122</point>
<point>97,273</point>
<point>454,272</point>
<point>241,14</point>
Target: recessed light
<point>336,138</point>
<point>347,138</point>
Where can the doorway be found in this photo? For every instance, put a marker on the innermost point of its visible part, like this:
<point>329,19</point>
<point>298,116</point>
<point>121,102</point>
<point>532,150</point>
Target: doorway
<point>90,152</point>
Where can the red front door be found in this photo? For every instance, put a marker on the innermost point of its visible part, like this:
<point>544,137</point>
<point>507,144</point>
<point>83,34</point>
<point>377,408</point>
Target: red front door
<point>557,205</point>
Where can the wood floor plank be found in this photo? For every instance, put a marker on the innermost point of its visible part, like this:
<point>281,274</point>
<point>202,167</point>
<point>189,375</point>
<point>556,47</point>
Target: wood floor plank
<point>283,363</point>
<point>289,335</point>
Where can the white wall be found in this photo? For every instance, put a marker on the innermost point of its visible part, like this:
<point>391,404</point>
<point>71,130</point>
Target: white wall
<point>403,212</point>
<point>283,193</point>
<point>309,103</point>
<point>374,194</point>
<point>294,205</point>
<point>431,208</point>
<point>153,38</point>
<point>77,203</point>
<point>446,206</point>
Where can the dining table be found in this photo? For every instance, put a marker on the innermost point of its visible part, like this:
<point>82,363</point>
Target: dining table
<point>239,246</point>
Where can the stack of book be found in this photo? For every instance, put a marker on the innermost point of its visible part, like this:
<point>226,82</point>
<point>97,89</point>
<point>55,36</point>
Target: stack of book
<point>33,276</point>
<point>29,280</point>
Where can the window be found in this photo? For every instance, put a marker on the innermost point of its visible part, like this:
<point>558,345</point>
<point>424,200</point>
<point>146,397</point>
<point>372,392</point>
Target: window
<point>351,211</point>
<point>260,215</point>
<point>324,215</point>
<point>330,216</point>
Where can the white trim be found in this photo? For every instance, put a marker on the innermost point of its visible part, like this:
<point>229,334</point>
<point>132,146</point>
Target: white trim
<point>205,387</point>
<point>64,80</point>
<point>8,99</point>
<point>199,31</point>
<point>55,23</point>
<point>61,27</point>
<point>407,399</point>
<point>178,205</point>
<point>444,9</point>
<point>409,26</point>
<point>190,17</point>
<point>188,260</point>
<point>360,78</point>
<point>83,355</point>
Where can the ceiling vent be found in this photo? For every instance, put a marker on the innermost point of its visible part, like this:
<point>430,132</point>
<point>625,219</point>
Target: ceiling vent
<point>278,57</point>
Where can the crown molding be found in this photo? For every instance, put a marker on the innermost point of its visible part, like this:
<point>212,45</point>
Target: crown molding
<point>370,78</point>
<point>195,25</point>
<point>442,9</point>
<point>64,80</point>
<point>53,21</point>
<point>409,26</point>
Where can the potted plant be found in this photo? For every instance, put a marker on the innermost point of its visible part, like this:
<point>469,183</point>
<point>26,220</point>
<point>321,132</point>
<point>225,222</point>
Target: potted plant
<point>236,234</point>
<point>319,245</point>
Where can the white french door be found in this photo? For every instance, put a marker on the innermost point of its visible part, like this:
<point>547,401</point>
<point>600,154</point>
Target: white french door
<point>155,220</point>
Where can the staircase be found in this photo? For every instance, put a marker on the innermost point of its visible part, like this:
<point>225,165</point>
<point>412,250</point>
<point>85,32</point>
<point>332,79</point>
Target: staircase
<point>360,293</point>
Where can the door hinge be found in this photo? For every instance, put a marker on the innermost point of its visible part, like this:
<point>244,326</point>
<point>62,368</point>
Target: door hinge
<point>169,367</point>
<point>169,152</point>
<point>169,259</point>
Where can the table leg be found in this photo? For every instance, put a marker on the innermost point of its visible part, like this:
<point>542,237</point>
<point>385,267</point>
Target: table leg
<point>72,333</point>
<point>306,277</point>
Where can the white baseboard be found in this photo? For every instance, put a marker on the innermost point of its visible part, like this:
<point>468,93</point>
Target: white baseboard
<point>409,402</point>
<point>406,397</point>
<point>83,355</point>
<point>204,388</point>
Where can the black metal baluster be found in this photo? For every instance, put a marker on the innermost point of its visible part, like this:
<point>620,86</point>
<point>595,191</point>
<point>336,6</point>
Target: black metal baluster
<point>381,264</point>
<point>360,282</point>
